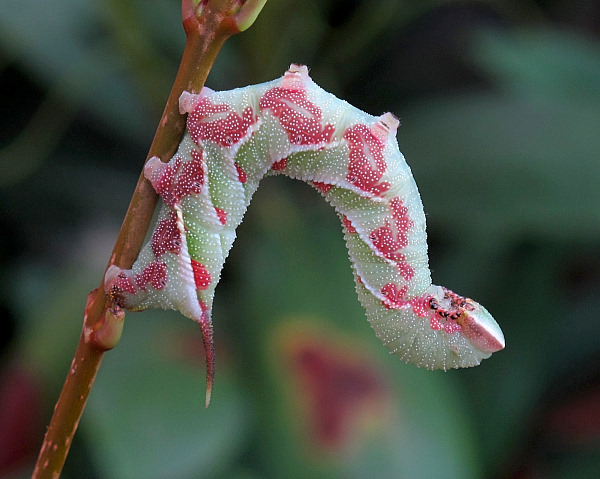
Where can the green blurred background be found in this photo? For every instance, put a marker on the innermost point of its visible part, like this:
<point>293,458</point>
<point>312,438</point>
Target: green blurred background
<point>500,109</point>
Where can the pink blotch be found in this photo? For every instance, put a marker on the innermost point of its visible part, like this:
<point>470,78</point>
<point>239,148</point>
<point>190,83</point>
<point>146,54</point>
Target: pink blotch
<point>366,162</point>
<point>388,241</point>
<point>452,327</point>
<point>394,299</point>
<point>394,296</point>
<point>155,274</point>
<point>242,175</point>
<point>222,215</point>
<point>166,237</point>
<point>191,176</point>
<point>219,123</point>
<point>420,306</point>
<point>448,325</point>
<point>163,184</point>
<point>201,275</point>
<point>300,118</point>
<point>180,179</point>
<point>279,165</point>
<point>435,323</point>
<point>400,214</point>
<point>123,283</point>
<point>391,238</point>
<point>322,187</point>
<point>348,225</point>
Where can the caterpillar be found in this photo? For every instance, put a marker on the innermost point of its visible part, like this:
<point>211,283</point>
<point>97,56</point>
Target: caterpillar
<point>290,126</point>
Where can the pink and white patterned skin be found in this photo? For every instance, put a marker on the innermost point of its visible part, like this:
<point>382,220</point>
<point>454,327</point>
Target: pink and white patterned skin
<point>292,127</point>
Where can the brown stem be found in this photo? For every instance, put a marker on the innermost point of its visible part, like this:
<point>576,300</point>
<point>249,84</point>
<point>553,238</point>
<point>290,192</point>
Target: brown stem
<point>207,24</point>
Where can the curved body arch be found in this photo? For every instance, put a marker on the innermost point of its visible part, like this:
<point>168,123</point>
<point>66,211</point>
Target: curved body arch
<point>291,126</point>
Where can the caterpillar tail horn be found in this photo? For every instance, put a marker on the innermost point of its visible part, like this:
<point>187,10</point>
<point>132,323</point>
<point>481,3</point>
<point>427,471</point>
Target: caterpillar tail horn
<point>209,351</point>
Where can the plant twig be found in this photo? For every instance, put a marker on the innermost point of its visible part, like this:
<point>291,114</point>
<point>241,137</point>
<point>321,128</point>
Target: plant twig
<point>207,24</point>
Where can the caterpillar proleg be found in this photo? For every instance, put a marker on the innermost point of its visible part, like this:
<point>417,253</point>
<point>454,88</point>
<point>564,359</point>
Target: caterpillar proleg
<point>291,126</point>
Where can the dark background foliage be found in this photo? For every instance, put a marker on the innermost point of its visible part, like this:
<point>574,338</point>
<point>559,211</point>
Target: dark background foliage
<point>499,102</point>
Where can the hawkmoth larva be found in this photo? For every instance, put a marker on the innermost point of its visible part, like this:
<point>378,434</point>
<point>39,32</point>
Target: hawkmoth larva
<point>291,126</point>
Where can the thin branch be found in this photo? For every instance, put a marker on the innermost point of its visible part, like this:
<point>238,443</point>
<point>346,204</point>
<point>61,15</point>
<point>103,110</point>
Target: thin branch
<point>207,24</point>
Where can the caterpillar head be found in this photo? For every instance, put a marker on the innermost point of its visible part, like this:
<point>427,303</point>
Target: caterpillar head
<point>480,328</point>
<point>477,325</point>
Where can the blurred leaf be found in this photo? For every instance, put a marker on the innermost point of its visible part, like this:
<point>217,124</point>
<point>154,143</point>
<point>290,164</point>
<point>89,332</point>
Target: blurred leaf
<point>50,306</point>
<point>542,63</point>
<point>516,167</point>
<point>146,415</point>
<point>26,152</point>
<point>519,164</point>
<point>62,44</point>
<point>327,35</point>
<point>577,464</point>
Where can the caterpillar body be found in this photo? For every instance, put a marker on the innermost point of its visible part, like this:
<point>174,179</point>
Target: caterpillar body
<point>293,127</point>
